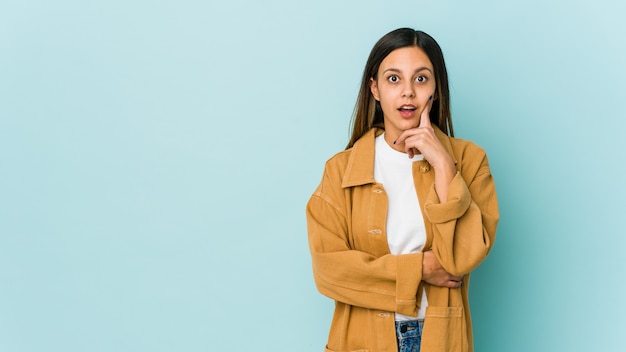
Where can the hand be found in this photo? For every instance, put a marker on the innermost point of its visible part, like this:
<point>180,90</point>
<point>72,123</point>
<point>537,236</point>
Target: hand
<point>434,274</point>
<point>422,139</point>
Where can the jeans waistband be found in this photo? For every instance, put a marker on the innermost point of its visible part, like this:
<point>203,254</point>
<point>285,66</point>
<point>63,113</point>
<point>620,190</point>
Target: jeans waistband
<point>405,326</point>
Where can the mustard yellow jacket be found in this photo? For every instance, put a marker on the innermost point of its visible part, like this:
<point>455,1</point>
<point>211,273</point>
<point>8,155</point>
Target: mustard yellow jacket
<point>346,219</point>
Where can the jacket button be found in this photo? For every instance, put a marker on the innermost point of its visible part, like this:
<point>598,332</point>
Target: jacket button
<point>424,168</point>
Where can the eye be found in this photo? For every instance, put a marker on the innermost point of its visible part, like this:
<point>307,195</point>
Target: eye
<point>421,79</point>
<point>393,78</point>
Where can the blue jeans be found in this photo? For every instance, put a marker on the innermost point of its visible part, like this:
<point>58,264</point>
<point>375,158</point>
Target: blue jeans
<point>409,335</point>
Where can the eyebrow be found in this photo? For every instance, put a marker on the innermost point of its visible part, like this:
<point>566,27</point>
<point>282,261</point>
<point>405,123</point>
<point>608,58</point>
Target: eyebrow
<point>417,70</point>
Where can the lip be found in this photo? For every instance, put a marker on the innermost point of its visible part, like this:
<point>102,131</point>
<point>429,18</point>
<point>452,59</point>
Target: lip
<point>407,111</point>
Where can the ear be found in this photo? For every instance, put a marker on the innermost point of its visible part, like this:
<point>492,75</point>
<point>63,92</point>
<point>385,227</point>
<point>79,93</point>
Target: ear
<point>374,88</point>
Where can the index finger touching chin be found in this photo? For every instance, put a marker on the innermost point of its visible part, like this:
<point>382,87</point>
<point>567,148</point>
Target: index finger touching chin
<point>425,117</point>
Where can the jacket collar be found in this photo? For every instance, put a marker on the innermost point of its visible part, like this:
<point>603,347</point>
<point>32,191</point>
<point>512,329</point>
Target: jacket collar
<point>360,168</point>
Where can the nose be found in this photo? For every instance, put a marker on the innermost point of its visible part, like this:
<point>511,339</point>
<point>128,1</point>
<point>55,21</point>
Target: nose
<point>408,91</point>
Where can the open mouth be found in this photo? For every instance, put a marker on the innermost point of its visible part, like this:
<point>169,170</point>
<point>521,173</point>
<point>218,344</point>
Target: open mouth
<point>407,110</point>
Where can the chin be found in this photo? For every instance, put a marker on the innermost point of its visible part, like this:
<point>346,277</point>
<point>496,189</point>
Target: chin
<point>403,125</point>
<point>407,125</point>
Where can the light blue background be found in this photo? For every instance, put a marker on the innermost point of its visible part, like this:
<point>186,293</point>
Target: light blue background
<point>156,158</point>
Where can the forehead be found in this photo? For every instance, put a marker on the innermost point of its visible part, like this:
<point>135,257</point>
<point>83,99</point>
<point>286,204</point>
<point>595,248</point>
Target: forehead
<point>406,59</point>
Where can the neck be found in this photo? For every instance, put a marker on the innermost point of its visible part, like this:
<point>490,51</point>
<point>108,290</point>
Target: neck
<point>390,138</point>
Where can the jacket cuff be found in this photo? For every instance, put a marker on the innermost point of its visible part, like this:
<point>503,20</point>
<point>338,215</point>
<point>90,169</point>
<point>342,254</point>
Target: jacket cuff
<point>459,200</point>
<point>409,276</point>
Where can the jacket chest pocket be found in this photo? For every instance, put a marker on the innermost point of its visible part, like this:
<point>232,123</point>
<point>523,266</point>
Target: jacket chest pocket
<point>370,218</point>
<point>445,330</point>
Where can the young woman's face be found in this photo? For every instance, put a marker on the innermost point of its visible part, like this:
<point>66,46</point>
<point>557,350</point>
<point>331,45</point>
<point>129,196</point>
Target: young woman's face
<point>403,86</point>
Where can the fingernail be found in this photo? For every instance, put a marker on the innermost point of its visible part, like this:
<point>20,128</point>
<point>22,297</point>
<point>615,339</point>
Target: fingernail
<point>431,98</point>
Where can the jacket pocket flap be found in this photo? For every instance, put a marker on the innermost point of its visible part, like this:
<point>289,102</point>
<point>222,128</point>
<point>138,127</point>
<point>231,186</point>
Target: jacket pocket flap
<point>444,312</point>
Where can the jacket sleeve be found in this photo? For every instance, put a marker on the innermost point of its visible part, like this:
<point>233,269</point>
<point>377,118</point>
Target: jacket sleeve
<point>464,226</point>
<point>345,274</point>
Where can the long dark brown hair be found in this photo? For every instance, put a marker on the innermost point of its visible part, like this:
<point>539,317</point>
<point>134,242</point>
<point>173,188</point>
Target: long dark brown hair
<point>367,111</point>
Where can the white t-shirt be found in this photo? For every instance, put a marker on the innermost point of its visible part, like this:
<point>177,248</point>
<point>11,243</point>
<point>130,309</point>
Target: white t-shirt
<point>406,232</point>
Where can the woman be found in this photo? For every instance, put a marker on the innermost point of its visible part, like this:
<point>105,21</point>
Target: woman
<point>405,213</point>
